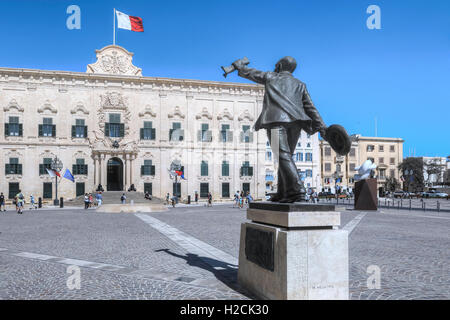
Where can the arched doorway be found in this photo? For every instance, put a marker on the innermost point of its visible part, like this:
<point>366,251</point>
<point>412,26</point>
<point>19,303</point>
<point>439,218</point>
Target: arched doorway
<point>115,175</point>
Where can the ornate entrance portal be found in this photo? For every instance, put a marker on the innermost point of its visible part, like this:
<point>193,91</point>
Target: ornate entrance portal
<point>115,174</point>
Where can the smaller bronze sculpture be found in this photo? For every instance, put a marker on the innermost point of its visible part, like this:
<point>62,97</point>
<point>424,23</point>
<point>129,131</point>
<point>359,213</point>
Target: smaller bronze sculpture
<point>287,110</point>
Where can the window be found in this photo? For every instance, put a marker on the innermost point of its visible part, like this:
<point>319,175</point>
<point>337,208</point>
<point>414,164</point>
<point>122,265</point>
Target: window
<point>79,130</point>
<point>392,173</point>
<point>352,167</point>
<point>308,145</point>
<point>225,190</point>
<point>380,148</point>
<point>269,155</point>
<point>380,160</point>
<point>46,164</point>
<point>308,156</point>
<point>13,128</point>
<point>328,167</point>
<point>47,128</point>
<point>352,152</point>
<point>327,151</point>
<point>246,170</point>
<point>225,169</point>
<point>204,168</point>
<point>225,133</point>
<point>267,144</point>
<point>148,188</point>
<point>47,192</point>
<point>370,148</point>
<point>204,134</point>
<point>338,168</point>
<point>246,135</point>
<point>382,173</point>
<point>114,128</point>
<point>148,169</point>
<point>13,189</point>
<point>246,187</point>
<point>148,132</point>
<point>392,161</point>
<point>299,157</point>
<point>13,167</point>
<point>308,173</point>
<point>299,145</point>
<point>204,190</point>
<point>80,189</point>
<point>176,133</point>
<point>392,148</point>
<point>79,167</point>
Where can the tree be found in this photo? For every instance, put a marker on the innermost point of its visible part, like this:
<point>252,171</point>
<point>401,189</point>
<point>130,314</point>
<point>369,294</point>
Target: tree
<point>412,182</point>
<point>391,184</point>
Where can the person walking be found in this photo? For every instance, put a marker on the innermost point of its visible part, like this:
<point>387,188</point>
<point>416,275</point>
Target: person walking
<point>99,198</point>
<point>19,202</point>
<point>32,202</point>
<point>249,199</point>
<point>2,202</point>
<point>209,199</point>
<point>236,199</point>
<point>91,200</point>
<point>123,198</point>
<point>86,201</point>
<point>196,197</point>
<point>167,198</point>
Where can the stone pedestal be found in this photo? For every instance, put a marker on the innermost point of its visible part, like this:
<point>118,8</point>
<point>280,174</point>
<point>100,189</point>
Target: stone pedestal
<point>366,195</point>
<point>293,252</point>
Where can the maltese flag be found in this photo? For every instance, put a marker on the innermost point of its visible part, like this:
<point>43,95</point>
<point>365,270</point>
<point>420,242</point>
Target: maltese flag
<point>127,22</point>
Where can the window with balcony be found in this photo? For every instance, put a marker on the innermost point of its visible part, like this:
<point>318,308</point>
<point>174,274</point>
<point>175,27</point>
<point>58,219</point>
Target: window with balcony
<point>113,128</point>
<point>80,168</point>
<point>246,169</point>
<point>13,127</point>
<point>13,167</point>
<point>176,133</point>
<point>47,128</point>
<point>148,132</point>
<point>148,169</point>
<point>79,130</point>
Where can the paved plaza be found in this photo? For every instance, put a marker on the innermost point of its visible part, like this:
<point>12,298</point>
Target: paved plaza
<point>191,252</point>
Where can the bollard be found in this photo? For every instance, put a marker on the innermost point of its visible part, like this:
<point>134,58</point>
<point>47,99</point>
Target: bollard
<point>409,204</point>
<point>40,202</point>
<point>61,202</point>
<point>424,206</point>
<point>438,206</point>
<point>189,199</point>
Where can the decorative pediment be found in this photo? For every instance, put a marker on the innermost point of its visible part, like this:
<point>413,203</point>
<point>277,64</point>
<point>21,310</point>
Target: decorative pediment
<point>79,108</point>
<point>204,114</point>
<point>47,154</point>
<point>13,153</point>
<point>245,115</point>
<point>80,155</point>
<point>148,111</point>
<point>225,114</point>
<point>114,60</point>
<point>148,156</point>
<point>47,107</point>
<point>13,105</point>
<point>176,112</point>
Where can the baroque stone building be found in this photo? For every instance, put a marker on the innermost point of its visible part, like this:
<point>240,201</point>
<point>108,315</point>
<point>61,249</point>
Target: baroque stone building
<point>114,127</point>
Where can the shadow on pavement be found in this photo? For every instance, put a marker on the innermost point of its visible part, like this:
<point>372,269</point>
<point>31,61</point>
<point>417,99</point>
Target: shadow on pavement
<point>224,272</point>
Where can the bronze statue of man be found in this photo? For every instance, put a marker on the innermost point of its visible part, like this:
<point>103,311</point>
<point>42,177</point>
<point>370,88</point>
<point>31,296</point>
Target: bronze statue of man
<point>287,109</point>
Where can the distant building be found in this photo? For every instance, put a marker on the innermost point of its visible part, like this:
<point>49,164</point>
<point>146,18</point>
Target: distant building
<point>338,171</point>
<point>434,169</point>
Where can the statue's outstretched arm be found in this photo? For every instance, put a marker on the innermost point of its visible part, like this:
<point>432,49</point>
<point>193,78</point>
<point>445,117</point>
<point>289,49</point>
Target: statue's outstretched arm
<point>312,112</point>
<point>251,74</point>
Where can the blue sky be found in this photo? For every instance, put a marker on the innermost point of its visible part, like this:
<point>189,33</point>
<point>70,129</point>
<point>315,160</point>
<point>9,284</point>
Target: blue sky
<point>399,74</point>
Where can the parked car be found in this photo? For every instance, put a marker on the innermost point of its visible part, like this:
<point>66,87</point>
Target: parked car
<point>400,194</point>
<point>434,194</point>
<point>326,194</point>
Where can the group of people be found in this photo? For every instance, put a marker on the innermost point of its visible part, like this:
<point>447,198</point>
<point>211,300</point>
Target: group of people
<point>89,200</point>
<point>242,198</point>
<point>19,202</point>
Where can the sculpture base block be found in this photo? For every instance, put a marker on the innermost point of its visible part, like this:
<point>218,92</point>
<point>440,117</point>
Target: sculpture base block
<point>300,262</point>
<point>366,195</point>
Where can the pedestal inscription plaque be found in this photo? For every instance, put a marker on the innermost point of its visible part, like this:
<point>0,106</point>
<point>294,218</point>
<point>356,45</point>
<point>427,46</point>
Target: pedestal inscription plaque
<point>259,247</point>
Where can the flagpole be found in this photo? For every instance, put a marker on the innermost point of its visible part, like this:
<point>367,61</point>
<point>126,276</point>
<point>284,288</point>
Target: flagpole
<point>114,27</point>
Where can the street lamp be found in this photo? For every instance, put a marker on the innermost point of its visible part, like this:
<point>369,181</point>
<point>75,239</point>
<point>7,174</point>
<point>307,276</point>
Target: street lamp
<point>175,166</point>
<point>56,165</point>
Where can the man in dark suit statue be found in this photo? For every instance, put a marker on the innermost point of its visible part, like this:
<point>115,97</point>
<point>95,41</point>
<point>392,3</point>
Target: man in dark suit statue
<point>287,109</point>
